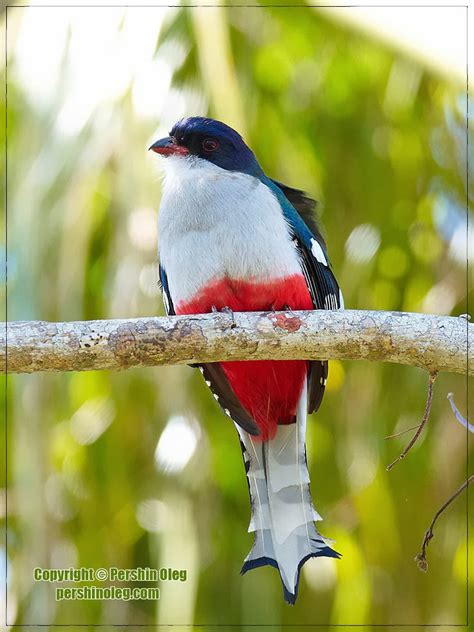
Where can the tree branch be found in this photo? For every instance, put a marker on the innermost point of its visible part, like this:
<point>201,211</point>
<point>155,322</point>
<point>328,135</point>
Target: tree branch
<point>433,343</point>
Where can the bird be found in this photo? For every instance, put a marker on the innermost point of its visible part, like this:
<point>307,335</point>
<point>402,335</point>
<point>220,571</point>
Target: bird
<point>232,239</point>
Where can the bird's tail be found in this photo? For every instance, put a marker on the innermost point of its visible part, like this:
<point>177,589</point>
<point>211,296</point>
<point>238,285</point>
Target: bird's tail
<point>282,511</point>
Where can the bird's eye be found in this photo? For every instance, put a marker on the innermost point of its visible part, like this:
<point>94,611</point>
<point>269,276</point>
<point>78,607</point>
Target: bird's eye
<point>210,144</point>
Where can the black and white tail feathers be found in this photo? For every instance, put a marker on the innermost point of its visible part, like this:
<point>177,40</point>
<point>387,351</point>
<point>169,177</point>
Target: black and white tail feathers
<point>282,511</point>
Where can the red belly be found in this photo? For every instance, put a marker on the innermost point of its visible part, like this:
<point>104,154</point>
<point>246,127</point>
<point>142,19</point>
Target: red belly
<point>268,389</point>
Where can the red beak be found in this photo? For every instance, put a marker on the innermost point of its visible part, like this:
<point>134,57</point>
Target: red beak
<point>169,147</point>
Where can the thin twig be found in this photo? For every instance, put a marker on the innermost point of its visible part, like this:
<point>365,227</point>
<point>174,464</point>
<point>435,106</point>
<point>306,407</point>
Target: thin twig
<point>420,559</point>
<point>398,434</point>
<point>457,413</point>
<point>426,415</point>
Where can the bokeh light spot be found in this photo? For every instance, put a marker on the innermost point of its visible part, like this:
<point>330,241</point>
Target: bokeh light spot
<point>177,444</point>
<point>363,243</point>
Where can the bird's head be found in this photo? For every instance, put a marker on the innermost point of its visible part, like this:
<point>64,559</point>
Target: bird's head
<point>206,139</point>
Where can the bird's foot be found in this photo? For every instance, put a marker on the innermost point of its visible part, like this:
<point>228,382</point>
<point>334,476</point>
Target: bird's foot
<point>228,311</point>
<point>284,308</point>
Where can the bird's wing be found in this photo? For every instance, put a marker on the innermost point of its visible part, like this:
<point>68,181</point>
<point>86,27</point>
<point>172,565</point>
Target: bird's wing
<point>214,375</point>
<point>167,301</point>
<point>325,293</point>
<point>305,205</point>
<point>217,381</point>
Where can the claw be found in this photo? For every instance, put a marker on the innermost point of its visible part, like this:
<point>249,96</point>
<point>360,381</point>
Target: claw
<point>225,310</point>
<point>229,311</point>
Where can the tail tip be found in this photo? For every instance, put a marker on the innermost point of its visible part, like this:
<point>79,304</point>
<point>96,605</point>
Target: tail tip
<point>290,597</point>
<point>327,551</point>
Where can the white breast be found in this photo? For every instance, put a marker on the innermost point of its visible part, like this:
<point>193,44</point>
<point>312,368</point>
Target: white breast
<point>216,224</point>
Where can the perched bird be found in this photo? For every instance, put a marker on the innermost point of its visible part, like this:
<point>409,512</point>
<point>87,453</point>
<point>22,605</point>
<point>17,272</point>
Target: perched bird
<point>231,238</point>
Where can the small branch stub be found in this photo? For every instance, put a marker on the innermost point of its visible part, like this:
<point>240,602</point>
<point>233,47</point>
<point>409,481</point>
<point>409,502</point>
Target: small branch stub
<point>421,425</point>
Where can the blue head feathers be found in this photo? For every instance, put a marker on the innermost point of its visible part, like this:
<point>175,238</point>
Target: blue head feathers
<point>210,140</point>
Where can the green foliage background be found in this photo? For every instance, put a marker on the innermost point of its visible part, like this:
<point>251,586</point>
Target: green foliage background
<point>380,142</point>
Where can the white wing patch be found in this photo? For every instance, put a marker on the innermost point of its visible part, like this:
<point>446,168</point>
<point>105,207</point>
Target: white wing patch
<point>318,253</point>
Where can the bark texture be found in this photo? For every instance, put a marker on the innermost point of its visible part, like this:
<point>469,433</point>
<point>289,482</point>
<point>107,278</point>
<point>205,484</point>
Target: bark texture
<point>433,343</point>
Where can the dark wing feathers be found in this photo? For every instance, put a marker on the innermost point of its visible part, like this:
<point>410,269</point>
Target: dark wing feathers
<point>305,205</point>
<point>167,301</point>
<point>318,374</point>
<point>298,209</point>
<point>217,381</point>
<point>321,281</point>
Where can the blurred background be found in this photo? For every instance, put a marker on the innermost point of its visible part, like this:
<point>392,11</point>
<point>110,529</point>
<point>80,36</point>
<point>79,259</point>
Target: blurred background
<point>363,108</point>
